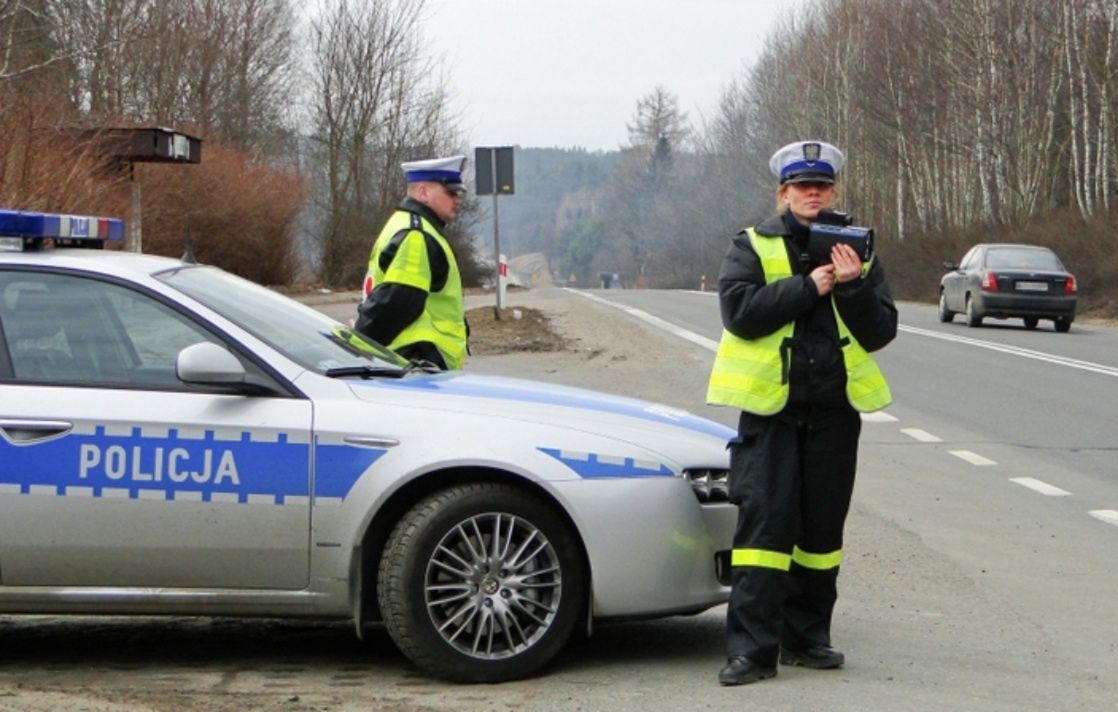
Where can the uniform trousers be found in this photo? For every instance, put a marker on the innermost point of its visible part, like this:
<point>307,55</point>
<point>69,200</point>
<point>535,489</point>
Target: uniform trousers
<point>792,477</point>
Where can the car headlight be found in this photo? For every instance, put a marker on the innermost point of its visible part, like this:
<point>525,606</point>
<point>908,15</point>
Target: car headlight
<point>709,484</point>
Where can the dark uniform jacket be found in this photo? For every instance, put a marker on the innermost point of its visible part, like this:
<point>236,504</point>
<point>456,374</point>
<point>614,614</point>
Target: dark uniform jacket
<point>751,309</point>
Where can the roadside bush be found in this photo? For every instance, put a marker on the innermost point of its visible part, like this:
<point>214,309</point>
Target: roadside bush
<point>240,213</point>
<point>43,167</point>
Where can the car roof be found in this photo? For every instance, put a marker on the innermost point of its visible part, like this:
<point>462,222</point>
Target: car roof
<point>112,262</point>
<point>1015,245</point>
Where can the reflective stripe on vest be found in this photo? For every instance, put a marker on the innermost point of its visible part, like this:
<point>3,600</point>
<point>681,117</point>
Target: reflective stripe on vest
<point>443,321</point>
<point>751,374</point>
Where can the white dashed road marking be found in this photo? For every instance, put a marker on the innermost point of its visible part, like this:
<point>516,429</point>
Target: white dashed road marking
<point>972,457</point>
<point>1038,486</point>
<point>922,435</point>
<point>1109,516</point>
<point>878,417</point>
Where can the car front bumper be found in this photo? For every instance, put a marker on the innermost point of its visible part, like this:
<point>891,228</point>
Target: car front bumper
<point>652,547</point>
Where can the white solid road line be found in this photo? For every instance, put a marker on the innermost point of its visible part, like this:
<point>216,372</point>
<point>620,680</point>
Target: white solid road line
<point>1015,351</point>
<point>708,344</point>
<point>972,457</point>
<point>922,435</point>
<point>1109,516</point>
<point>656,321</point>
<point>1038,486</point>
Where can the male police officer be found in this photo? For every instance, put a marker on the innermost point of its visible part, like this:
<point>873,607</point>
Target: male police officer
<point>413,291</point>
<point>794,358</point>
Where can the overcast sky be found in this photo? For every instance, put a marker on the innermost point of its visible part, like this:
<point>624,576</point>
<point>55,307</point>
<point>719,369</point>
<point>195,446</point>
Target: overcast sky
<point>539,73</point>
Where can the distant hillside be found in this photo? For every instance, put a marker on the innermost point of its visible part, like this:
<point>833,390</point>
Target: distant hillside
<point>552,184</point>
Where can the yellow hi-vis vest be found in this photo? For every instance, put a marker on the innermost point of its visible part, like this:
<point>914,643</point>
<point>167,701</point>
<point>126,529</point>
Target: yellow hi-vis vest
<point>751,374</point>
<point>443,321</point>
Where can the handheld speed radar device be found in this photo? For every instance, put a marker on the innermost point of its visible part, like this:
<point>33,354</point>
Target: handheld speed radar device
<point>832,227</point>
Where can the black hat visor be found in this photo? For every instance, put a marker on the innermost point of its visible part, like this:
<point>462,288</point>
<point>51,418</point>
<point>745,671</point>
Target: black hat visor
<point>808,175</point>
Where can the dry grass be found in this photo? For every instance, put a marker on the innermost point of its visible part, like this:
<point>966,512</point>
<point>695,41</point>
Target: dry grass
<point>531,332</point>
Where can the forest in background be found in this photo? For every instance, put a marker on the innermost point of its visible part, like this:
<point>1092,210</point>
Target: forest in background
<point>962,121</point>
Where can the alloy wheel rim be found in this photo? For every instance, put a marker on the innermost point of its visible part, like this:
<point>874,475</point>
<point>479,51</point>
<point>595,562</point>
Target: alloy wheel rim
<point>492,586</point>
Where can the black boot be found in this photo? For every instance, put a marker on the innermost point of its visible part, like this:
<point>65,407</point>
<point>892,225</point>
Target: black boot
<point>819,657</point>
<point>740,670</point>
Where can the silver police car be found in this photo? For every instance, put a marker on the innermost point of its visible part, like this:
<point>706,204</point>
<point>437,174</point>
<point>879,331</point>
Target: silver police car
<point>177,440</point>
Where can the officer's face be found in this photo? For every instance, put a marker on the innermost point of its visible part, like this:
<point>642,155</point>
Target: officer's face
<point>805,200</point>
<point>442,200</point>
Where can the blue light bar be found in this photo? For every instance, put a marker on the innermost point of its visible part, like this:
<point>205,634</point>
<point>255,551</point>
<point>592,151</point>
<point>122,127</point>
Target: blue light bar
<point>18,227</point>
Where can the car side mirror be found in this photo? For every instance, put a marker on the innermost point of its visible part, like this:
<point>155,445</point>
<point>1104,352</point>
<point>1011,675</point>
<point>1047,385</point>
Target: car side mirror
<point>950,266</point>
<point>207,363</point>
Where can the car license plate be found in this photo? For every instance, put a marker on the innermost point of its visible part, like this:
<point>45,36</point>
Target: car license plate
<point>1032,286</point>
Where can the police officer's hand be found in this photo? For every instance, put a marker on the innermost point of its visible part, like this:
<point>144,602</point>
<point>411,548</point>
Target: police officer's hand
<point>824,278</point>
<point>847,265</point>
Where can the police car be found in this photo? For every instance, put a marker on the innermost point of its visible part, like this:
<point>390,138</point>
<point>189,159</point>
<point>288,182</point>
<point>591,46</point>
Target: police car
<point>177,440</point>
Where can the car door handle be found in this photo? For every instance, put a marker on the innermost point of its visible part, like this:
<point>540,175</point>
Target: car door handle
<point>27,432</point>
<point>371,442</point>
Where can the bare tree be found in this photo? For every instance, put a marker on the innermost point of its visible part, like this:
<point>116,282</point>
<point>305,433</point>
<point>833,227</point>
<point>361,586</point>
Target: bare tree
<point>658,118</point>
<point>1089,33</point>
<point>378,100</point>
<point>644,194</point>
<point>221,67</point>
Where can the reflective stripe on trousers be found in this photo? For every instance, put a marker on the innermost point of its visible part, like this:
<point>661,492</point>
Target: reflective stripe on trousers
<point>791,476</point>
<point>782,562</point>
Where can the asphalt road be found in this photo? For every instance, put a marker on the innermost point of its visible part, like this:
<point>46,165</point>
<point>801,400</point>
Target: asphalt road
<point>997,462</point>
<point>979,567</point>
<point>962,588</point>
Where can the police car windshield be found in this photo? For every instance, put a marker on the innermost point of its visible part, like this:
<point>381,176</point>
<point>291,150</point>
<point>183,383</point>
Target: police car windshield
<point>304,335</point>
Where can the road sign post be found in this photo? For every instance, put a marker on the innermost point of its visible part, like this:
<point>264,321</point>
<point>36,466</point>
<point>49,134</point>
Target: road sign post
<point>494,176</point>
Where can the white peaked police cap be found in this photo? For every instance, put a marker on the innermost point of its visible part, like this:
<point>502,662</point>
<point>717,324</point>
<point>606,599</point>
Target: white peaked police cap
<point>804,161</point>
<point>447,171</point>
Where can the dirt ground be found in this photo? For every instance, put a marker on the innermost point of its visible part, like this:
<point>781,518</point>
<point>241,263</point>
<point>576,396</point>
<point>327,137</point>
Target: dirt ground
<point>519,329</point>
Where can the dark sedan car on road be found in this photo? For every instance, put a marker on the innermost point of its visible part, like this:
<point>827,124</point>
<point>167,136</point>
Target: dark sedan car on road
<point>1005,281</point>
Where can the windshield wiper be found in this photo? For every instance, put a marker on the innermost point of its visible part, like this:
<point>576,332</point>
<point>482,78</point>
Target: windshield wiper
<point>381,371</point>
<point>367,372</point>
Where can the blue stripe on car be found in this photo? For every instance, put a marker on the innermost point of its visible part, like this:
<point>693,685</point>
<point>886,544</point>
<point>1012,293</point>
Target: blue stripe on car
<point>213,469</point>
<point>511,389</point>
<point>590,465</point>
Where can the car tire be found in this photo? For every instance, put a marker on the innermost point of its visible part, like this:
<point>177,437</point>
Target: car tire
<point>1063,325</point>
<point>973,317</point>
<point>1031,322</point>
<point>481,582</point>
<point>945,314</point>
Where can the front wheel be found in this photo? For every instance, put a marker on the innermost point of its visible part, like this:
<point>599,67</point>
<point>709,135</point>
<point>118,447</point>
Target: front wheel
<point>481,583</point>
<point>1031,322</point>
<point>945,314</point>
<point>1063,325</point>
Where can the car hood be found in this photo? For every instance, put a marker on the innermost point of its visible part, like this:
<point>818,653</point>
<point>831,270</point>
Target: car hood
<point>637,421</point>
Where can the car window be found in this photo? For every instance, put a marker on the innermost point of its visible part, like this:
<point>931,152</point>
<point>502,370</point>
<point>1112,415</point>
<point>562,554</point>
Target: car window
<point>302,334</point>
<point>75,330</point>
<point>1022,258</point>
<point>970,259</point>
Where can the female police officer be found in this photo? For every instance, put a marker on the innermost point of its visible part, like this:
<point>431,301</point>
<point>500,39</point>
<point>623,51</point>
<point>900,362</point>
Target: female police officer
<point>794,358</point>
